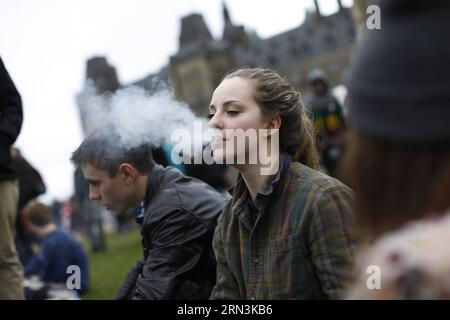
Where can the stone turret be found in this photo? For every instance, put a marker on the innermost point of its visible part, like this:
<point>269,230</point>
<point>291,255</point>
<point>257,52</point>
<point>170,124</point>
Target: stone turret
<point>231,33</point>
<point>102,74</point>
<point>193,30</point>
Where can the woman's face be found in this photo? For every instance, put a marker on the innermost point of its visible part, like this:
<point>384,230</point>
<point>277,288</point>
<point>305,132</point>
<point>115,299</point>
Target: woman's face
<point>233,107</point>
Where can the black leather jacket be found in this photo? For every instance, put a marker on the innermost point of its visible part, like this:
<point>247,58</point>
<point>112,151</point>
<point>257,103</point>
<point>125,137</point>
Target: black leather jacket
<point>177,231</point>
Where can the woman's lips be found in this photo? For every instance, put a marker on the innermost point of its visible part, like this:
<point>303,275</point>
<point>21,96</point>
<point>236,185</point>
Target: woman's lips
<point>218,142</point>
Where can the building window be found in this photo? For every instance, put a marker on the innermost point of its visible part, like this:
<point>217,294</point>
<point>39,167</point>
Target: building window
<point>351,32</point>
<point>329,40</point>
<point>306,48</point>
<point>274,45</point>
<point>295,52</point>
<point>273,61</point>
<point>329,24</point>
<point>310,32</point>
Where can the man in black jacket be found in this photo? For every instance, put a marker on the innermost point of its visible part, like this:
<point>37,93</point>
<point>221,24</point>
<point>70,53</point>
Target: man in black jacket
<point>11,273</point>
<point>177,213</point>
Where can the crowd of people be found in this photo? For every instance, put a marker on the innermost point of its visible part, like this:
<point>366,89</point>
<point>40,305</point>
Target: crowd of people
<point>354,191</point>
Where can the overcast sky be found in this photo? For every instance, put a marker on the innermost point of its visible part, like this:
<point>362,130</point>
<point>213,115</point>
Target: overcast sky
<point>45,43</point>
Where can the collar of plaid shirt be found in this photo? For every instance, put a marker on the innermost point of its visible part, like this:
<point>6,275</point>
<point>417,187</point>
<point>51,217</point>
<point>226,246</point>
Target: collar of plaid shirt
<point>264,192</point>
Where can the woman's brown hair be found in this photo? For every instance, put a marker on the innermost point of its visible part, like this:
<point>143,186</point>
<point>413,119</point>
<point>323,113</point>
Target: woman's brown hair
<point>276,96</point>
<point>395,183</point>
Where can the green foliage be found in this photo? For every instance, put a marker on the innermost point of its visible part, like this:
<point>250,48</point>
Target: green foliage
<point>109,268</point>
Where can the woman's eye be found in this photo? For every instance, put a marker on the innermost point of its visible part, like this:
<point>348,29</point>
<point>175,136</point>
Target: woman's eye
<point>210,116</point>
<point>233,113</point>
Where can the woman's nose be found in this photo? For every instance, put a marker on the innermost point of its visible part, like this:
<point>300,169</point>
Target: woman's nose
<point>216,122</point>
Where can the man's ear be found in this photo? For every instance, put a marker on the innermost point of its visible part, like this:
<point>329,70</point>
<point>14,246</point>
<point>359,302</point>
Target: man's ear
<point>128,173</point>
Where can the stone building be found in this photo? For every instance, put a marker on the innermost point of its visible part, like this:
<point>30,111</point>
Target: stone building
<point>201,60</point>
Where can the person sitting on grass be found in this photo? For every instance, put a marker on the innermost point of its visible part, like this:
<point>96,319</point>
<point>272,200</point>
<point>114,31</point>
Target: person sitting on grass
<point>59,250</point>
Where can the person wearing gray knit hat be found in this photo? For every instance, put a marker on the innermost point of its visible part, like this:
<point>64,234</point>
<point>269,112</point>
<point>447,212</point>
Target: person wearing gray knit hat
<point>399,79</point>
<point>398,149</point>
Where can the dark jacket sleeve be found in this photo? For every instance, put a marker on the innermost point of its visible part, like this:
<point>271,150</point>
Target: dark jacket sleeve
<point>128,287</point>
<point>177,244</point>
<point>10,108</point>
<point>35,265</point>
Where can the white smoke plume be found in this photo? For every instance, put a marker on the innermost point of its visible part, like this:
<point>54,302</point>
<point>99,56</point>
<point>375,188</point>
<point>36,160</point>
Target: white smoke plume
<point>138,116</point>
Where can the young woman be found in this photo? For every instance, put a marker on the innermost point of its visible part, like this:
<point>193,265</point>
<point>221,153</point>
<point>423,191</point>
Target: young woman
<point>287,235</point>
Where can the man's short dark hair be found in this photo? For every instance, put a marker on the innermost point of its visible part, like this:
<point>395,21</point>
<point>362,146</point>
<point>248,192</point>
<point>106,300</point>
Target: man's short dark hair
<point>102,150</point>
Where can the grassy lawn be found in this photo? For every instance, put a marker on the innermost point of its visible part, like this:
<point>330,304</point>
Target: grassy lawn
<point>109,268</point>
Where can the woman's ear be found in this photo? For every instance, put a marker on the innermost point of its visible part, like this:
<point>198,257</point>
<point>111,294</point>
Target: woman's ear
<point>273,124</point>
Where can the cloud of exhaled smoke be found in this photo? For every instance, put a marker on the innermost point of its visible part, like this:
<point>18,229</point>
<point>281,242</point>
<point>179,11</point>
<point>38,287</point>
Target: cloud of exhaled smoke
<point>137,116</point>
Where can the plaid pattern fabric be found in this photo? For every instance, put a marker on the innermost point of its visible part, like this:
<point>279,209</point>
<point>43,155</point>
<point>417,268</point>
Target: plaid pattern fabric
<point>300,246</point>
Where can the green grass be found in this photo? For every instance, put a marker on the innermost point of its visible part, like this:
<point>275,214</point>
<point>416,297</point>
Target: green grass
<point>109,268</point>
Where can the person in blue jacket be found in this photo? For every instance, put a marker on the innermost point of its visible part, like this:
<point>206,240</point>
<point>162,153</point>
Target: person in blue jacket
<point>60,255</point>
